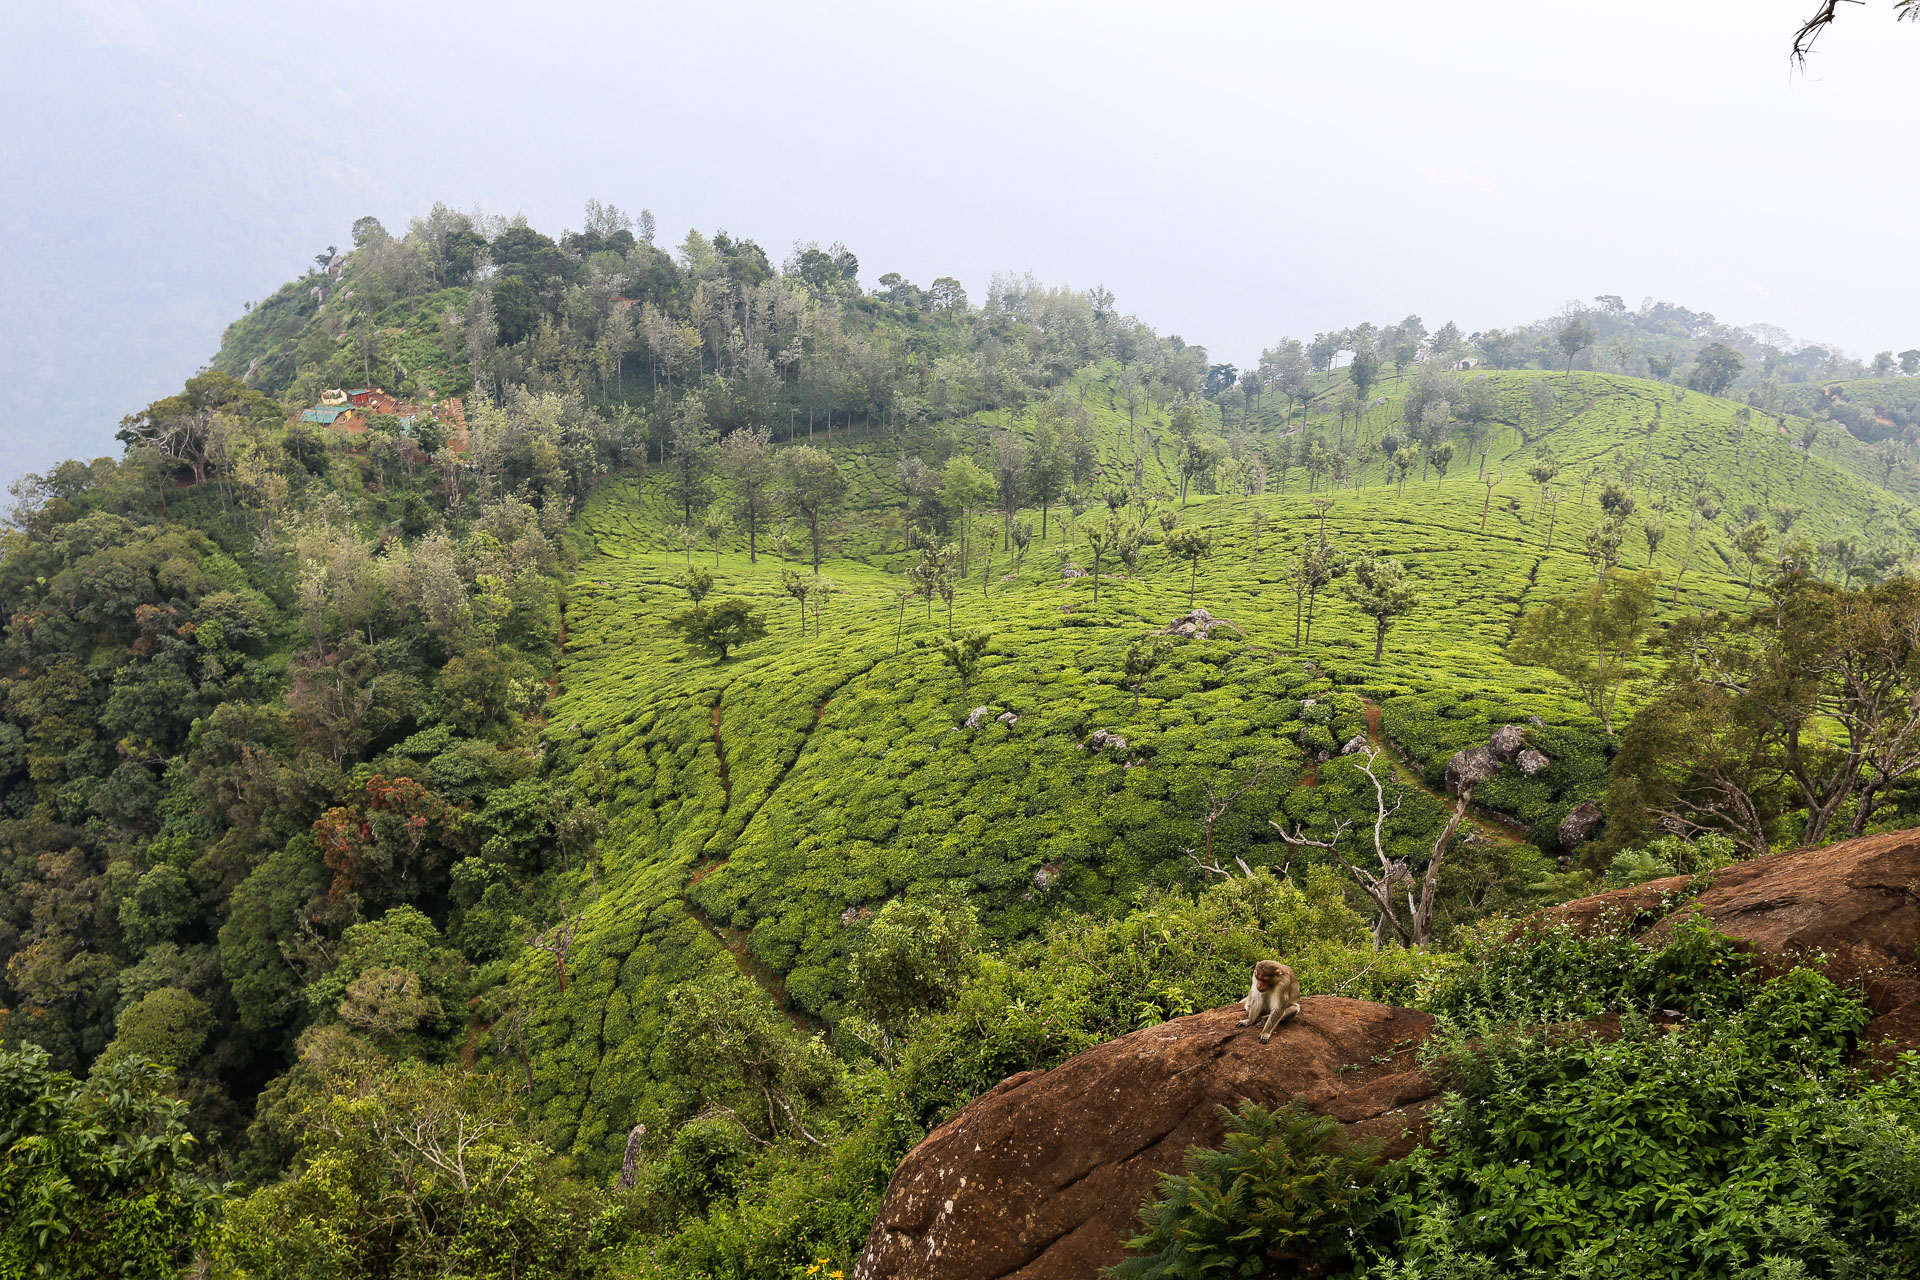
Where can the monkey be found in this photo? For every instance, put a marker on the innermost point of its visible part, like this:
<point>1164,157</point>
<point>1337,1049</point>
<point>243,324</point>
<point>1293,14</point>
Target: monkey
<point>1274,995</point>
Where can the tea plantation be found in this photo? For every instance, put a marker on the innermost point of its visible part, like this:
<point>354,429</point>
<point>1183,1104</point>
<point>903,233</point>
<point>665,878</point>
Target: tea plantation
<point>761,807</point>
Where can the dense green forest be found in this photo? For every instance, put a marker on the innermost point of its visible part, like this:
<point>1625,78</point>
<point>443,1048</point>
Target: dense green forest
<point>593,811</point>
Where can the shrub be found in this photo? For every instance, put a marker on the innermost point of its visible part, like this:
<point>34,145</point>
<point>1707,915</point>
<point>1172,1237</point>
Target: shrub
<point>1284,1194</point>
<point>1558,974</point>
<point>95,1175</point>
<point>1736,1146</point>
<point>410,1172</point>
<point>1670,856</point>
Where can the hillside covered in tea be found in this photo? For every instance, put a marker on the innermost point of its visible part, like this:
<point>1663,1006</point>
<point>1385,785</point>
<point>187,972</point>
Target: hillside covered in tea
<point>567,757</point>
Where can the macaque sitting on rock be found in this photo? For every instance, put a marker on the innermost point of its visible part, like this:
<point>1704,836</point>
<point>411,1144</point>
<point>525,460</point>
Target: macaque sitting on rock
<point>1274,996</point>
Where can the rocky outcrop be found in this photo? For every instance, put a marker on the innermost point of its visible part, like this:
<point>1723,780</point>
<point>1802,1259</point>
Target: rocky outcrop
<point>1041,1178</point>
<point>1470,768</point>
<point>1580,825</point>
<point>1857,904</point>
<point>1198,624</point>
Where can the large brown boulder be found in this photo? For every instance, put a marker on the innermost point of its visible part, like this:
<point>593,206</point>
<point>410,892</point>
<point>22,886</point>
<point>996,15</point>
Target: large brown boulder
<point>1043,1177</point>
<point>1854,907</point>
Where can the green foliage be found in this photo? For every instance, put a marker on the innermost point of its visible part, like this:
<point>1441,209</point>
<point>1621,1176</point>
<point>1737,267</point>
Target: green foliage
<point>410,1171</point>
<point>1591,640</point>
<point>1556,974</point>
<point>1282,1194</point>
<point>395,981</point>
<point>1671,856</point>
<point>720,628</point>
<point>963,654</point>
<point>911,959</point>
<point>96,1175</point>
<point>1727,1146</point>
<point>165,1027</point>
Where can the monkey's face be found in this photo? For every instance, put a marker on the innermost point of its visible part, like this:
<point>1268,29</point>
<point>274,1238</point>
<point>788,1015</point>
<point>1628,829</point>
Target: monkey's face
<point>1263,982</point>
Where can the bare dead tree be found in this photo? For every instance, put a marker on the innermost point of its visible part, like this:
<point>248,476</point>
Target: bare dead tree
<point>1824,17</point>
<point>558,942</point>
<point>1213,868</point>
<point>1220,802</point>
<point>510,1035</point>
<point>630,1164</point>
<point>1394,877</point>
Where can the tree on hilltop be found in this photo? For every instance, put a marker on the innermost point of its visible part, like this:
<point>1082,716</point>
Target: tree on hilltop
<point>1193,546</point>
<point>1593,639</point>
<point>747,462</point>
<point>1574,337</point>
<point>813,486</point>
<point>181,428</point>
<point>1380,589</point>
<point>1715,368</point>
<point>720,628</point>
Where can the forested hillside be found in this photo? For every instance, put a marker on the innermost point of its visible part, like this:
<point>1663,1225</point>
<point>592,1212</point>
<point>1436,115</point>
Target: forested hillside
<point>570,757</point>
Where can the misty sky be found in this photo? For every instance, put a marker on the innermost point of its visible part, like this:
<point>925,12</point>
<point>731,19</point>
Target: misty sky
<point>1234,172</point>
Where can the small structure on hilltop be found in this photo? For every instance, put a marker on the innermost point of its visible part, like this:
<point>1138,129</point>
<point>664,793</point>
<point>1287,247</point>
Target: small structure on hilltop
<point>349,411</point>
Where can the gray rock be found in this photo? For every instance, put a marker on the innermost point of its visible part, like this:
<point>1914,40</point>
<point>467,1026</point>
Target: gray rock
<point>1101,740</point>
<point>978,716</point>
<point>1198,624</point>
<point>1536,722</point>
<point>1532,762</point>
<point>1357,743</point>
<point>1470,767</point>
<point>1506,743</point>
<point>1007,718</point>
<point>1581,824</point>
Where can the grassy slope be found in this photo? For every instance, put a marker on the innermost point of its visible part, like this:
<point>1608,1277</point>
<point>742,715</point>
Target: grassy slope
<point>846,781</point>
